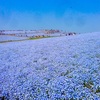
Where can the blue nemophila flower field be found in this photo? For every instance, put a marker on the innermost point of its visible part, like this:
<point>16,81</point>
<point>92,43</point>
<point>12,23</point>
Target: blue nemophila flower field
<point>60,68</point>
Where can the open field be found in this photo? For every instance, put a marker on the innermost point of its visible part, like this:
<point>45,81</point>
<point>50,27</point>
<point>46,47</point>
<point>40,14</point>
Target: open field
<point>7,38</point>
<point>61,68</point>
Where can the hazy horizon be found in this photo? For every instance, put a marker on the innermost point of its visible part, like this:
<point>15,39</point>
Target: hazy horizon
<point>67,15</point>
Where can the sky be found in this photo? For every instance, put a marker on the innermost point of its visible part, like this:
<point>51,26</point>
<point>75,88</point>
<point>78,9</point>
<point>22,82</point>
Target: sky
<point>67,15</point>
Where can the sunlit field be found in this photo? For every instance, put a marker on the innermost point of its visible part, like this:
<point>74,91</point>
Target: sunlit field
<point>58,68</point>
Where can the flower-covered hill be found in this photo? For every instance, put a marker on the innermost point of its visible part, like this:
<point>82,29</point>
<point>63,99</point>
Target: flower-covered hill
<point>61,68</point>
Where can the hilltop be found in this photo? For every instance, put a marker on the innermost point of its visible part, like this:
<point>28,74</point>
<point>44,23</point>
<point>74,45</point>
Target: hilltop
<point>61,68</point>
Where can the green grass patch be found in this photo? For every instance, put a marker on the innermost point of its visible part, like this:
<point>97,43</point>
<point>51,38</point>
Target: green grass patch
<point>98,89</point>
<point>88,84</point>
<point>35,38</point>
